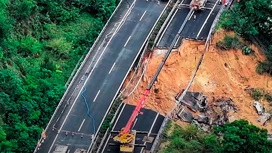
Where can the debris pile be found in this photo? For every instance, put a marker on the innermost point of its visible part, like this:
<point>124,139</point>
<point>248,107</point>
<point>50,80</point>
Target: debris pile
<point>195,109</point>
<point>222,73</point>
<point>220,109</point>
<point>194,100</point>
<point>185,115</point>
<point>264,118</point>
<point>263,115</point>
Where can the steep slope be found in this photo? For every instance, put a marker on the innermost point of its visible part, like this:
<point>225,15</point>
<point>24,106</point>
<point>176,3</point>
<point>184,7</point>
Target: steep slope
<point>222,74</point>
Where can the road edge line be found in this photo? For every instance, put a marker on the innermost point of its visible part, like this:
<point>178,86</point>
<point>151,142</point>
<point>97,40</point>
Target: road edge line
<point>128,73</point>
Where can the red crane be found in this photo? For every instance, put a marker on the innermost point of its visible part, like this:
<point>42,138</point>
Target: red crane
<point>126,137</point>
<point>136,111</point>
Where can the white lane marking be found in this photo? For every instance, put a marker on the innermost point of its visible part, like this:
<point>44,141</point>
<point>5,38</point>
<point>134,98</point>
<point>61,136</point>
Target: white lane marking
<point>206,19</point>
<point>78,95</point>
<point>96,95</point>
<point>151,128</point>
<point>81,125</point>
<point>68,151</point>
<point>88,79</point>
<point>126,15</point>
<point>106,143</point>
<point>191,16</point>
<point>119,27</point>
<point>119,116</point>
<point>181,1</point>
<point>112,67</point>
<point>142,16</point>
<point>127,41</point>
<point>129,71</point>
<point>167,27</point>
<point>177,41</point>
<point>134,122</point>
<point>114,127</point>
<point>153,124</point>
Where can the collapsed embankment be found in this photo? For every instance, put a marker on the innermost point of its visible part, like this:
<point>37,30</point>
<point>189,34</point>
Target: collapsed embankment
<point>221,74</point>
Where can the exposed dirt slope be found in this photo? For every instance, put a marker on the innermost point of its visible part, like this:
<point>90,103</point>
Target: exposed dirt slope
<point>222,73</point>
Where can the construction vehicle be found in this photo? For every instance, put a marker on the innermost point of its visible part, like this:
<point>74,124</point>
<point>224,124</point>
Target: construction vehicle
<point>197,4</point>
<point>127,136</point>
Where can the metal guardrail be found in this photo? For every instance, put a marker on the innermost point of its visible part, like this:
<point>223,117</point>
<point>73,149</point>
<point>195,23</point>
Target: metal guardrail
<point>159,35</point>
<point>156,142</point>
<point>91,49</point>
<point>168,117</point>
<point>109,129</point>
<point>79,69</point>
<point>89,149</point>
<point>147,39</point>
<point>146,48</point>
<point>154,30</point>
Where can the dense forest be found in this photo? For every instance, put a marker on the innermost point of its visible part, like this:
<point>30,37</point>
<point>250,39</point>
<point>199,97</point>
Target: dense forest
<point>236,137</point>
<point>42,40</point>
<point>252,19</point>
<point>249,19</point>
<point>40,43</point>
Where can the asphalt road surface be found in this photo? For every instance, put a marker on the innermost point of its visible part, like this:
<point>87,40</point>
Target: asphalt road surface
<point>197,27</point>
<point>147,124</point>
<point>75,128</point>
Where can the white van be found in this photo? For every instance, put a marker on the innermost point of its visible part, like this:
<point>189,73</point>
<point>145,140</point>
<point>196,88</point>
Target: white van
<point>259,107</point>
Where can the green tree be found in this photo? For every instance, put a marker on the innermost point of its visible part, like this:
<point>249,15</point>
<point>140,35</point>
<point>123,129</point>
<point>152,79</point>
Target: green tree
<point>100,8</point>
<point>22,9</point>
<point>5,24</point>
<point>60,47</point>
<point>29,46</point>
<point>191,139</point>
<point>36,59</point>
<point>10,82</point>
<point>240,136</point>
<point>250,17</point>
<point>3,134</point>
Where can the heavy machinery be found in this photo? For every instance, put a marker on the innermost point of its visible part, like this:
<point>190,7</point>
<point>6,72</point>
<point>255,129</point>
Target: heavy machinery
<point>197,4</point>
<point>126,136</point>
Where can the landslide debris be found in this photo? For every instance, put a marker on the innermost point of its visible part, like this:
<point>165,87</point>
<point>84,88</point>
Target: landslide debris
<point>221,74</point>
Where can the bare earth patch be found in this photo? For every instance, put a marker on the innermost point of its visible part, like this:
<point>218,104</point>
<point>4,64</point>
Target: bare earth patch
<point>222,74</point>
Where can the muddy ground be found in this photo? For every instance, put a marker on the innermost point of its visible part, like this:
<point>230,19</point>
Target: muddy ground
<point>222,74</point>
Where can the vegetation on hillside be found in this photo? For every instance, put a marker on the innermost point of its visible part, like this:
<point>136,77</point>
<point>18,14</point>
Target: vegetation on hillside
<point>252,18</point>
<point>230,42</point>
<point>190,139</point>
<point>40,43</point>
<point>238,136</point>
<point>249,19</point>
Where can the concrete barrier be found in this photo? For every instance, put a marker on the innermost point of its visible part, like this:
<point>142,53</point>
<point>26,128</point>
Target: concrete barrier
<point>167,118</point>
<point>160,34</point>
<point>78,70</point>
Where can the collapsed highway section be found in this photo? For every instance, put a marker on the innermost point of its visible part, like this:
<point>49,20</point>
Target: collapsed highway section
<point>129,135</point>
<point>77,122</point>
<point>147,127</point>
